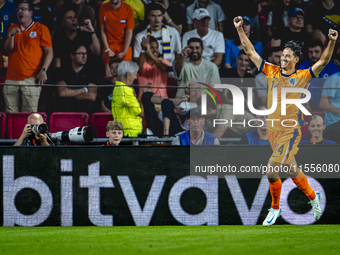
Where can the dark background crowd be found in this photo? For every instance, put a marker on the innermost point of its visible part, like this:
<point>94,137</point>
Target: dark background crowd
<point>176,44</point>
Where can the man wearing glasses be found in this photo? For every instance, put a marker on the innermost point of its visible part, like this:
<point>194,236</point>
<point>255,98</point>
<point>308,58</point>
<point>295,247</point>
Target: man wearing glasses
<point>74,96</point>
<point>30,54</point>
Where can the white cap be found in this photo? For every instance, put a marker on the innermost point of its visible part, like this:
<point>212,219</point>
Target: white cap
<point>201,13</point>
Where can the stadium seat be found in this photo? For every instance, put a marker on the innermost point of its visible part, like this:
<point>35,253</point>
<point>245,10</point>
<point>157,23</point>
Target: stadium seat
<point>16,122</point>
<point>2,124</point>
<point>172,90</point>
<point>99,121</point>
<point>63,121</point>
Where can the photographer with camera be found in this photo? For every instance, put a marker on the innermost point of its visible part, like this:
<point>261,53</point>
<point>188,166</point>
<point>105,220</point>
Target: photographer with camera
<point>35,132</point>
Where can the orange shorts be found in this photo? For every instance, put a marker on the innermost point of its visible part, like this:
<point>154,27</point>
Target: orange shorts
<point>116,49</point>
<point>284,144</point>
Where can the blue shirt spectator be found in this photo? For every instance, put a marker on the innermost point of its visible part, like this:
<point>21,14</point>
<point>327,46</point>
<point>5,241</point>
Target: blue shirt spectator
<point>330,99</point>
<point>329,70</point>
<point>233,46</point>
<point>324,141</point>
<point>253,138</point>
<point>316,126</point>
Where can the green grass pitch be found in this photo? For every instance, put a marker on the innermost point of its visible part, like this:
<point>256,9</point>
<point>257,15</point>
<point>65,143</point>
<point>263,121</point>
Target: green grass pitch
<point>249,240</point>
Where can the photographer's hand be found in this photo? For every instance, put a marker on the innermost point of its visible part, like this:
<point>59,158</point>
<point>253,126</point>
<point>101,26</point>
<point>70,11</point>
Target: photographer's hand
<point>42,139</point>
<point>26,132</point>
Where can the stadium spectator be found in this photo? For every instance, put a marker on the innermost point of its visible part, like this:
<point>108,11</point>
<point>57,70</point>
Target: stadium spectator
<point>213,41</point>
<point>125,106</point>
<point>274,55</point>
<point>8,18</point>
<point>116,27</point>
<point>315,50</point>
<point>152,70</point>
<point>174,13</point>
<point>83,11</point>
<point>115,133</point>
<point>197,69</point>
<point>243,79</point>
<point>105,92</point>
<point>316,126</point>
<point>278,17</point>
<point>217,16</point>
<point>195,135</point>
<point>225,112</point>
<point>322,16</point>
<point>259,135</point>
<point>168,38</point>
<point>42,13</point>
<point>138,11</point>
<point>233,46</point>
<point>295,31</point>
<point>78,98</point>
<point>30,54</point>
<point>330,98</point>
<point>28,138</point>
<point>73,34</point>
<point>166,124</point>
<point>177,12</point>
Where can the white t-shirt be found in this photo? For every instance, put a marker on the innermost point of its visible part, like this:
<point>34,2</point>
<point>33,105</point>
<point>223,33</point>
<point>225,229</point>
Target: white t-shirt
<point>215,11</point>
<point>175,41</point>
<point>213,42</point>
<point>205,72</point>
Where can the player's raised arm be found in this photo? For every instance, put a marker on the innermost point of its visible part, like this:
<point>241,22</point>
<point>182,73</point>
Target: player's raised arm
<point>327,54</point>
<point>246,43</point>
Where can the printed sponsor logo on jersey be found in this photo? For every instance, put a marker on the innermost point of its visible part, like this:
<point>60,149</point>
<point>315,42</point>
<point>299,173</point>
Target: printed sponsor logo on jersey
<point>123,21</point>
<point>5,18</point>
<point>33,34</point>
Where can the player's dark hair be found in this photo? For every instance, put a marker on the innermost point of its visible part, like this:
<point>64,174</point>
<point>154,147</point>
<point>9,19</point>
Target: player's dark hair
<point>30,5</point>
<point>154,7</point>
<point>296,48</point>
<point>314,43</point>
<point>114,60</point>
<point>195,39</point>
<point>153,39</point>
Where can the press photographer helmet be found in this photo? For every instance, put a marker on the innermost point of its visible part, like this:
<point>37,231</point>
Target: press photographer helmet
<point>78,134</point>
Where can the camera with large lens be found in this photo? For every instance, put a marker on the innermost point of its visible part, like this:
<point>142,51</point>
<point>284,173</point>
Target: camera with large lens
<point>78,135</point>
<point>41,128</point>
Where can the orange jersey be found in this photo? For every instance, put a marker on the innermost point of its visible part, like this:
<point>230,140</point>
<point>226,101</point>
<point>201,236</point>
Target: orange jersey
<point>116,21</point>
<point>26,58</point>
<point>275,79</point>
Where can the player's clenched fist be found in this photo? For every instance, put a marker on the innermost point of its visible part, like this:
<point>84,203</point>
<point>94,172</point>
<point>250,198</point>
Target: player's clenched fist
<point>238,21</point>
<point>14,32</point>
<point>332,34</point>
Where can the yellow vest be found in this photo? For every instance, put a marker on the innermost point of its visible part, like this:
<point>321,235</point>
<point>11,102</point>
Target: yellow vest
<point>126,108</point>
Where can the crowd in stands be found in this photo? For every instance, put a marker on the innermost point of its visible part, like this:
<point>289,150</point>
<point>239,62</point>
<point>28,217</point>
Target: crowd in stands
<point>149,61</point>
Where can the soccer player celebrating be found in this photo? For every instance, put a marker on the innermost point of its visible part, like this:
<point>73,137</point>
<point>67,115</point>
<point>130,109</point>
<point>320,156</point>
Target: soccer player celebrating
<point>284,140</point>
